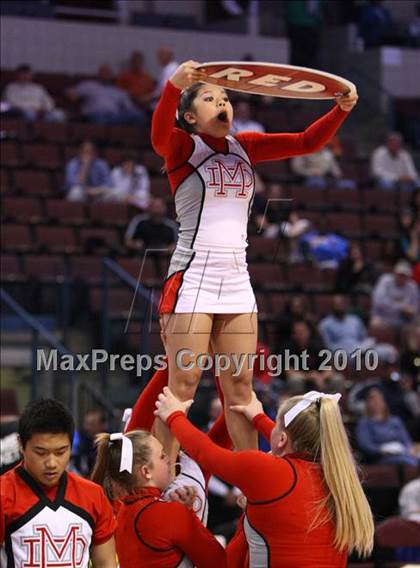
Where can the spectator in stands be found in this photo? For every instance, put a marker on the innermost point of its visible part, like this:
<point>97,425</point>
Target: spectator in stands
<point>409,501</point>
<point>243,120</point>
<point>130,183</point>
<point>393,167</point>
<point>341,330</point>
<point>317,169</point>
<point>293,230</point>
<point>375,23</point>
<point>105,103</point>
<point>409,235</point>
<point>152,229</point>
<point>166,59</point>
<point>410,359</point>
<point>395,298</point>
<point>304,20</point>
<point>136,81</point>
<point>322,246</point>
<point>87,176</point>
<point>354,273</point>
<point>414,28</point>
<point>296,308</point>
<point>29,99</point>
<point>303,373</point>
<point>84,449</point>
<point>383,438</point>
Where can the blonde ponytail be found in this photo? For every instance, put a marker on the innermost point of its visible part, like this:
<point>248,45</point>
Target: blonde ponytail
<point>108,460</point>
<point>347,501</point>
<point>319,431</point>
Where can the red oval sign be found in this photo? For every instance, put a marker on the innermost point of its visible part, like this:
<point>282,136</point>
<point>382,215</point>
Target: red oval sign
<point>274,80</point>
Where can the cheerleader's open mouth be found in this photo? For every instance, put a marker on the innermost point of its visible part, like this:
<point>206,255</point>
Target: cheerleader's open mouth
<point>222,116</point>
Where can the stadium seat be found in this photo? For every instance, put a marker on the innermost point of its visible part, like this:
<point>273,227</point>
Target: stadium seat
<point>16,237</point>
<point>62,211</point>
<point>58,239</point>
<point>114,214</point>
<point>345,199</point>
<point>271,250</point>
<point>159,187</point>
<point>266,274</point>
<point>347,224</point>
<point>82,131</point>
<point>143,269</point>
<point>86,268</point>
<point>4,181</point>
<point>322,304</point>
<point>382,226</point>
<point>309,198</point>
<point>379,200</point>
<point>45,268</point>
<point>397,532</point>
<point>9,153</point>
<point>152,162</point>
<point>33,182</point>
<point>304,277</point>
<point>130,136</point>
<point>99,237</point>
<point>11,270</point>
<point>55,133</point>
<point>41,156</point>
<point>22,209</point>
<point>14,128</point>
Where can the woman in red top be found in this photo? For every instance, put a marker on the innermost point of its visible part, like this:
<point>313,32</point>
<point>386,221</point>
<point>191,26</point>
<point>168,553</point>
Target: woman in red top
<point>208,288</point>
<point>151,532</point>
<point>305,505</point>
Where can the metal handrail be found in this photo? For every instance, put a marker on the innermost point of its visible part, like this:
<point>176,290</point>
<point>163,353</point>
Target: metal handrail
<point>41,331</point>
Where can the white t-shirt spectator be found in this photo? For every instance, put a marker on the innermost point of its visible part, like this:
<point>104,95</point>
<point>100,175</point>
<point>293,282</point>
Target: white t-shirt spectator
<point>320,163</point>
<point>136,186</point>
<point>98,97</point>
<point>239,125</point>
<point>387,167</point>
<point>28,97</point>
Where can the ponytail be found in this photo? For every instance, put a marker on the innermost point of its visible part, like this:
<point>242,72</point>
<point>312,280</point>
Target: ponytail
<point>319,431</point>
<point>108,460</point>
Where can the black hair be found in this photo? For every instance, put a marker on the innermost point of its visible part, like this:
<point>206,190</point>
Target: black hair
<point>45,416</point>
<point>185,103</point>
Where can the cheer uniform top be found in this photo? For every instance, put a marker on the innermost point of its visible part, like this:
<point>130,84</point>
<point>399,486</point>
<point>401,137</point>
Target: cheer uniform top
<point>153,533</point>
<point>212,180</point>
<point>49,527</point>
<point>282,496</point>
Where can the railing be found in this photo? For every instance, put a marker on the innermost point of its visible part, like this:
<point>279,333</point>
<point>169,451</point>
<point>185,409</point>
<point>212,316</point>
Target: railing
<point>111,267</point>
<point>77,387</point>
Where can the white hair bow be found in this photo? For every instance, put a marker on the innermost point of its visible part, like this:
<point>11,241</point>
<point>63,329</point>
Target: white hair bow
<point>126,418</point>
<point>307,400</point>
<point>126,463</point>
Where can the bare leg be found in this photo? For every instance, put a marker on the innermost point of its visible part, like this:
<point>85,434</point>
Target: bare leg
<point>190,333</point>
<point>237,333</point>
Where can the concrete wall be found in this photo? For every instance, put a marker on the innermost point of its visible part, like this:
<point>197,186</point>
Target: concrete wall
<point>72,47</point>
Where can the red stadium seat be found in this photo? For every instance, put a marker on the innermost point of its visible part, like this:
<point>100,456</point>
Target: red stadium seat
<point>46,268</point>
<point>57,239</point>
<point>42,155</point>
<point>16,237</point>
<point>15,128</point>
<point>383,226</point>
<point>345,198</point>
<point>304,276</point>
<point>379,200</point>
<point>87,268</point>
<point>62,211</point>
<point>109,214</point>
<point>323,304</point>
<point>33,181</point>
<point>266,274</point>
<point>22,209</point>
<point>277,302</point>
<point>143,269</point>
<point>9,153</point>
<point>120,301</point>
<point>348,224</point>
<point>4,181</point>
<point>98,237</point>
<point>397,532</point>
<point>11,270</point>
<point>87,131</point>
<point>152,162</point>
<point>278,168</point>
<point>271,250</point>
<point>130,136</point>
<point>51,132</point>
<point>309,197</point>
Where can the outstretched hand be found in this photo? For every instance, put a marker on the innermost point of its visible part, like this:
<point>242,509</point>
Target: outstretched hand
<point>250,410</point>
<point>348,101</point>
<point>187,74</point>
<point>167,404</point>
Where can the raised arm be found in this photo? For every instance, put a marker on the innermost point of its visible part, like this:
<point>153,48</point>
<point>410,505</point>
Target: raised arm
<point>264,147</point>
<point>163,119</point>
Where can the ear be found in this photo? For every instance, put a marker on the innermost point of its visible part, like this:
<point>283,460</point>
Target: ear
<point>145,472</point>
<point>282,442</point>
<point>190,118</point>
